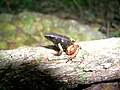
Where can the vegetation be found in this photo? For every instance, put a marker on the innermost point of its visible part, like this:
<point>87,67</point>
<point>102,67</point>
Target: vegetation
<point>103,12</point>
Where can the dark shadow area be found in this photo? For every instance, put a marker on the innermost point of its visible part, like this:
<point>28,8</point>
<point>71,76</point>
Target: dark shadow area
<point>52,47</point>
<point>28,77</point>
<point>100,85</point>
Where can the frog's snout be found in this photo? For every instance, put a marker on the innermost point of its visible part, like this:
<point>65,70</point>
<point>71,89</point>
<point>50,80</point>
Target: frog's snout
<point>46,36</point>
<point>49,36</point>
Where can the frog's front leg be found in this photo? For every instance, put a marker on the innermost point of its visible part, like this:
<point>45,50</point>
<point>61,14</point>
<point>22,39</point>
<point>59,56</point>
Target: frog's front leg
<point>59,52</point>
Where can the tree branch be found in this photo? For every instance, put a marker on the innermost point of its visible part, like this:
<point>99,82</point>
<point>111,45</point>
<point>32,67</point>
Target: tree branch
<point>97,61</point>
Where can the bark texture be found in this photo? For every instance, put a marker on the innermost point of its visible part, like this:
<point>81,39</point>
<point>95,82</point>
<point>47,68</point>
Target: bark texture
<point>97,61</point>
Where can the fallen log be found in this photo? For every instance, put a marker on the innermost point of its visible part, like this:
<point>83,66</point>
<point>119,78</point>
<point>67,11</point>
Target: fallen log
<point>97,61</point>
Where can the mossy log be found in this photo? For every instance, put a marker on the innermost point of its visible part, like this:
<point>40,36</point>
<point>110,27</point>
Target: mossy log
<point>97,61</point>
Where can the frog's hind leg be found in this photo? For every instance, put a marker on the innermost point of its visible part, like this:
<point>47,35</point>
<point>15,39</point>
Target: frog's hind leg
<point>74,55</point>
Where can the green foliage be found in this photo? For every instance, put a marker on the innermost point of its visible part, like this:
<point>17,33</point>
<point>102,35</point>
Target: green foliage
<point>28,28</point>
<point>85,11</point>
<point>26,21</point>
<point>15,5</point>
<point>114,34</point>
<point>27,3</point>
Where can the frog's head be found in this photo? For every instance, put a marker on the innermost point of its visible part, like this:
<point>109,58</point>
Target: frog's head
<point>51,36</point>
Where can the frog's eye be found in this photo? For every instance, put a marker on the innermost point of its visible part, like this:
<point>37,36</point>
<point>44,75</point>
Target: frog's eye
<point>72,40</point>
<point>51,37</point>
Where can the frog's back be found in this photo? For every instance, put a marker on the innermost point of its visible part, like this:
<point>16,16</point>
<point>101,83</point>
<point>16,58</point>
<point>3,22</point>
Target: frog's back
<point>56,39</point>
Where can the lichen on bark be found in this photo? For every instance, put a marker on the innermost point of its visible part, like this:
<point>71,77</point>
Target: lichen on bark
<point>97,61</point>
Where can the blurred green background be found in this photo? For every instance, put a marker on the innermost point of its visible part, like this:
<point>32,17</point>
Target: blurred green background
<point>24,22</point>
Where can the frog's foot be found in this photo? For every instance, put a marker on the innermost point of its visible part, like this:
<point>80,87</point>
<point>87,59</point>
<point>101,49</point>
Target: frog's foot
<point>70,58</point>
<point>58,53</point>
<point>46,59</point>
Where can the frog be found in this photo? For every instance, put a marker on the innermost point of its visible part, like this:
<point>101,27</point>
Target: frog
<point>65,44</point>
